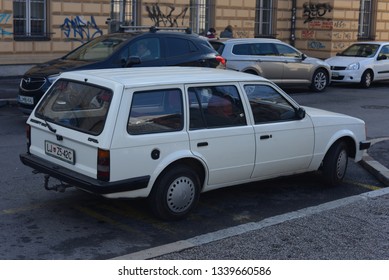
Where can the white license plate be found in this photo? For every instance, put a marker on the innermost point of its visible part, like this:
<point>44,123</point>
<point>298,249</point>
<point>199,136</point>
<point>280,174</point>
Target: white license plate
<point>26,100</point>
<point>60,152</point>
<point>335,74</point>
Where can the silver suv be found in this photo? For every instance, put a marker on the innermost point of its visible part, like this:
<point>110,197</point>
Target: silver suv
<point>274,60</point>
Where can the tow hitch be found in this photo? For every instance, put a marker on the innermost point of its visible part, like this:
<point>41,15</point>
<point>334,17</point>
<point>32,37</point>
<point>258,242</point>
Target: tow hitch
<point>61,187</point>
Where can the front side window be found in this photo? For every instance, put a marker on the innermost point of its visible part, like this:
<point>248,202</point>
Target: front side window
<point>156,111</point>
<point>146,49</point>
<point>215,106</point>
<point>76,105</point>
<point>30,19</point>
<point>268,105</point>
<point>287,51</point>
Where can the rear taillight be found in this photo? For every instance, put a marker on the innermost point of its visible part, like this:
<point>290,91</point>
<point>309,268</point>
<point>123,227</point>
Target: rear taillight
<point>103,165</point>
<point>28,136</point>
<point>221,60</point>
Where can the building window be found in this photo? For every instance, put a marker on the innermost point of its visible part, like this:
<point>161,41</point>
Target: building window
<point>30,20</point>
<point>264,18</point>
<point>123,13</point>
<point>201,15</point>
<point>366,22</point>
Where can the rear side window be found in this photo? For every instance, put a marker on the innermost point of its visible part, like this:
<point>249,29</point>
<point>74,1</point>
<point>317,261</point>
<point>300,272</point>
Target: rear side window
<point>215,106</point>
<point>254,49</point>
<point>179,47</point>
<point>76,105</point>
<point>263,49</point>
<point>156,111</point>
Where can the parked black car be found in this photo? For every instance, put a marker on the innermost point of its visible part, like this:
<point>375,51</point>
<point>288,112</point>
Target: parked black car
<point>136,48</point>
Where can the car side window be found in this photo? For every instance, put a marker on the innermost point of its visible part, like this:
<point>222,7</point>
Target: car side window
<point>215,106</point>
<point>145,49</point>
<point>268,105</point>
<point>241,49</point>
<point>156,111</point>
<point>179,47</point>
<point>285,50</point>
<point>385,51</point>
<point>262,49</point>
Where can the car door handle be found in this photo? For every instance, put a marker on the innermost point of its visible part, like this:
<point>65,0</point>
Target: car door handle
<point>265,137</point>
<point>202,144</point>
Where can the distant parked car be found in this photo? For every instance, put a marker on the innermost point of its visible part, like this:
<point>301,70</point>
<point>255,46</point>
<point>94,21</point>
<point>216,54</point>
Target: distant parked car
<point>274,60</point>
<point>362,62</point>
<point>155,47</point>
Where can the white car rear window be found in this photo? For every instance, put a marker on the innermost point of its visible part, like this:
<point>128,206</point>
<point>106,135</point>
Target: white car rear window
<point>76,105</point>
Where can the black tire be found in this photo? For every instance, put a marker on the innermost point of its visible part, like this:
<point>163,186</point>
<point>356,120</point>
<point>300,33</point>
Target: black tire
<point>319,80</point>
<point>335,164</point>
<point>366,79</point>
<point>175,193</point>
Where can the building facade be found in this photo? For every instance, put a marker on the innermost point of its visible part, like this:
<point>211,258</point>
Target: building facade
<point>33,31</point>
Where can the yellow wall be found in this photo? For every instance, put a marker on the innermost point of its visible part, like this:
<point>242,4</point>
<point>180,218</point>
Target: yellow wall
<point>321,36</point>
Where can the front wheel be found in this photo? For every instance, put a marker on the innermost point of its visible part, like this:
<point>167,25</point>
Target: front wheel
<point>319,80</point>
<point>366,79</point>
<point>175,194</point>
<point>335,163</point>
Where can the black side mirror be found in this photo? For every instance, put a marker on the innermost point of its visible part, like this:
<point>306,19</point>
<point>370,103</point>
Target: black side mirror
<point>382,57</point>
<point>133,60</point>
<point>300,113</point>
<point>303,56</point>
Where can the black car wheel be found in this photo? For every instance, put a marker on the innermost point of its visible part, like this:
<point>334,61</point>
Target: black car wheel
<point>175,194</point>
<point>366,79</point>
<point>319,80</point>
<point>335,163</point>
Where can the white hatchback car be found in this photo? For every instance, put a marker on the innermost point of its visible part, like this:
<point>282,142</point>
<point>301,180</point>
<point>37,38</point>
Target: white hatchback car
<point>170,133</point>
<point>362,62</point>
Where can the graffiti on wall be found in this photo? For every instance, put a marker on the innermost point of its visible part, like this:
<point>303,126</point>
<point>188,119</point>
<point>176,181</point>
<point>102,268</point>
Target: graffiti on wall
<point>166,15</point>
<point>4,18</point>
<point>312,11</point>
<point>80,29</point>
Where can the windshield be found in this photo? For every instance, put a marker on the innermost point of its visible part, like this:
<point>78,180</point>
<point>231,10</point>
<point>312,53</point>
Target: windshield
<point>76,105</point>
<point>97,49</point>
<point>360,50</point>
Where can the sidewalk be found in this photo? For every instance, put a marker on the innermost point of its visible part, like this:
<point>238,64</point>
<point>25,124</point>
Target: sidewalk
<point>353,228</point>
<point>9,90</point>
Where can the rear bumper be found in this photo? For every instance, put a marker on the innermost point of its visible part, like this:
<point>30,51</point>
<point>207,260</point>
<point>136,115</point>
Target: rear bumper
<point>364,145</point>
<point>81,181</point>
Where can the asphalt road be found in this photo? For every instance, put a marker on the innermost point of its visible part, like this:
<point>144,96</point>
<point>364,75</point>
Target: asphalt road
<point>37,224</point>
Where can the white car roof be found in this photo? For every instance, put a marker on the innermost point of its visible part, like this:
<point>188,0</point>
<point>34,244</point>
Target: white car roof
<point>145,76</point>
<point>252,40</point>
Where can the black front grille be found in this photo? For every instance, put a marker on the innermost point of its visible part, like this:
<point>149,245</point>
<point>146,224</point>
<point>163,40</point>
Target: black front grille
<point>338,68</point>
<point>29,83</point>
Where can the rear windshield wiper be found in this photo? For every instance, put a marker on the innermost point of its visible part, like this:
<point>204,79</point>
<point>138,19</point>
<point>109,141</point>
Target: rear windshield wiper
<point>48,125</point>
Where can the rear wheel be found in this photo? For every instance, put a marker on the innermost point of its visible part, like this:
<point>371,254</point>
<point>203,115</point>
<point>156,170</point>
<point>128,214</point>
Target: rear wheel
<point>335,163</point>
<point>366,79</point>
<point>175,194</point>
<point>319,80</point>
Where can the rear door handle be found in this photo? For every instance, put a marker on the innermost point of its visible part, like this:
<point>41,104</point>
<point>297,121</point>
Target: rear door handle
<point>202,144</point>
<point>265,137</point>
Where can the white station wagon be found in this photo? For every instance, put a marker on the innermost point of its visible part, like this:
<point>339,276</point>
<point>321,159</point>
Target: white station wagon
<point>170,133</point>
